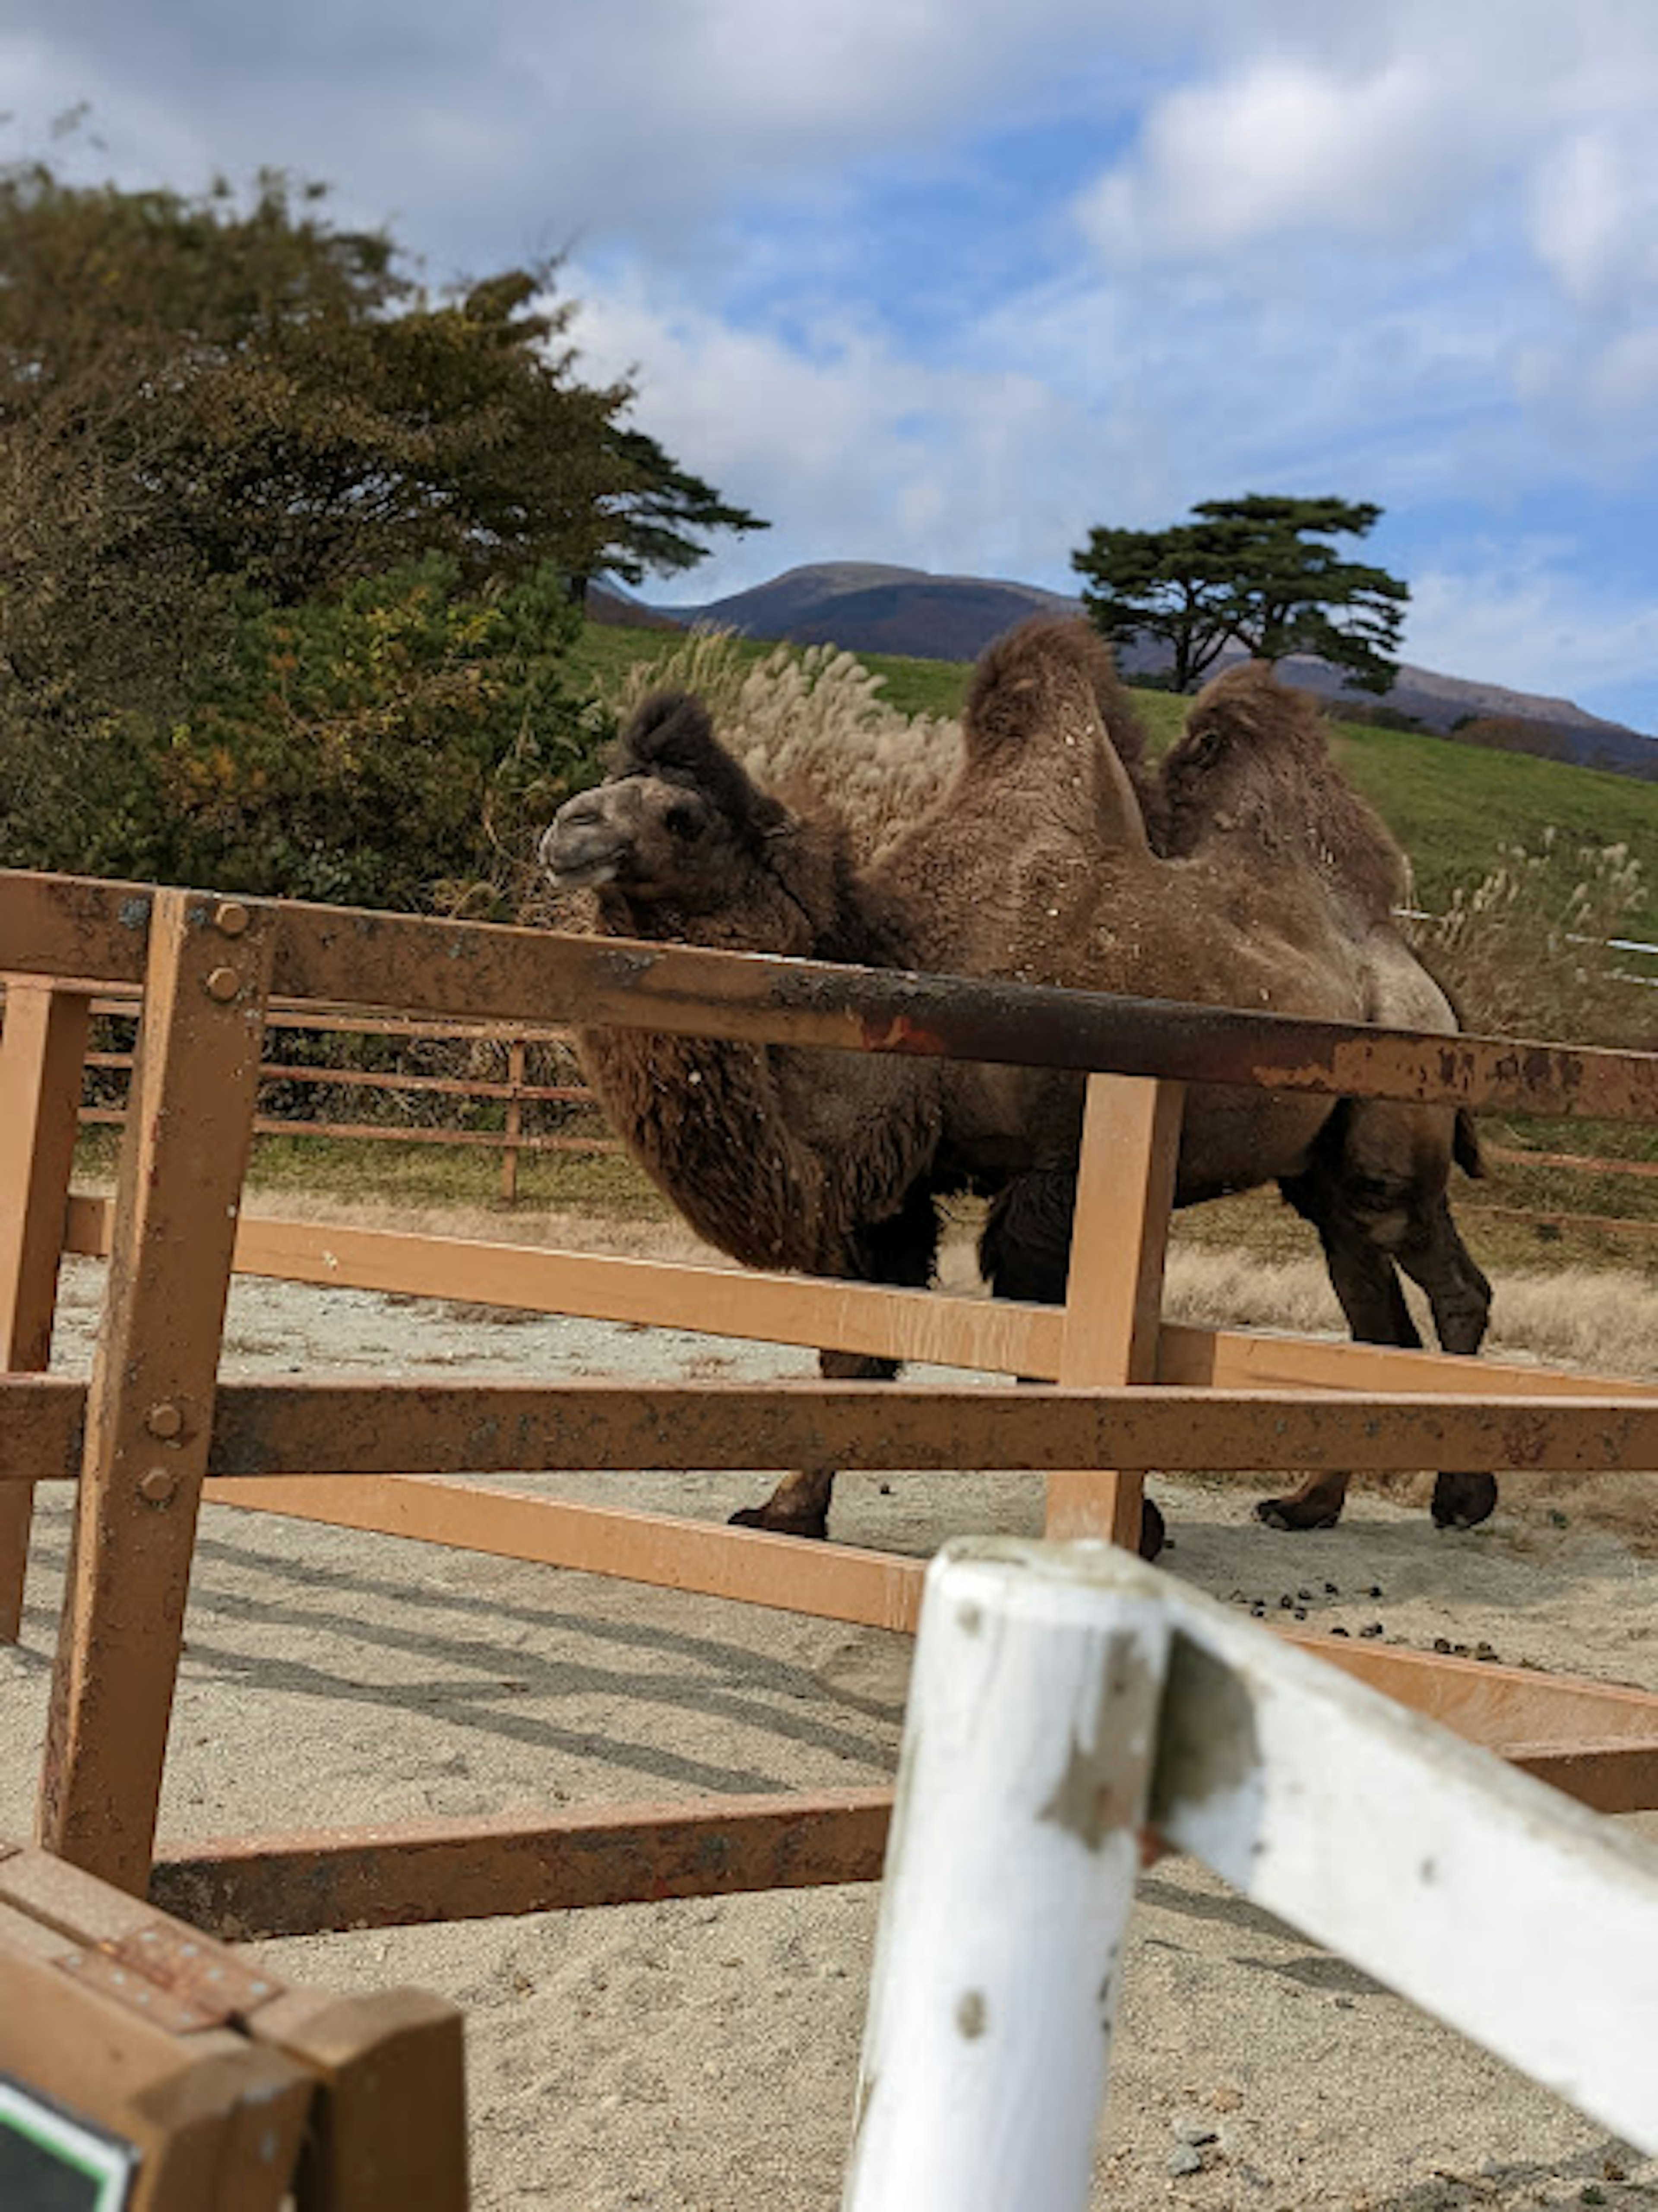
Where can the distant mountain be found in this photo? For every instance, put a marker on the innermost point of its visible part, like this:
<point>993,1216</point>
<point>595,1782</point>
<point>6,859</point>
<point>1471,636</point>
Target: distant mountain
<point>1439,702</point>
<point>608,603</point>
<point>866,606</point>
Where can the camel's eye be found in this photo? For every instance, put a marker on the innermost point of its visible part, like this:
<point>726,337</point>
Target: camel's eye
<point>684,822</point>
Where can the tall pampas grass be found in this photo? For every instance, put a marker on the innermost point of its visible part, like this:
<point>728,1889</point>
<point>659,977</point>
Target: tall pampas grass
<point>1527,952</point>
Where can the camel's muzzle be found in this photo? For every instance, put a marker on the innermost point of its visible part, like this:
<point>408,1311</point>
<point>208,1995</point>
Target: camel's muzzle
<point>582,849</point>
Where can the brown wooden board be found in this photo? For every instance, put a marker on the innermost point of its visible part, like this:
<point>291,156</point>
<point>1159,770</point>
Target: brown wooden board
<point>978,1333</point>
<point>467,1869</point>
<point>1114,1292</point>
<point>235,2087</point>
<point>215,2120</point>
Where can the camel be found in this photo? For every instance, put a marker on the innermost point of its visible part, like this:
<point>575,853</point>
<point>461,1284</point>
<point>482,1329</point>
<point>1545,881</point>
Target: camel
<point>1247,874</point>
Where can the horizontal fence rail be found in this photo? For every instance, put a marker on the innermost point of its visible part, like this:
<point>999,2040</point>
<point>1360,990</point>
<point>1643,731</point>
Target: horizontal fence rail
<point>315,1430</point>
<point>69,927</point>
<point>512,1142</point>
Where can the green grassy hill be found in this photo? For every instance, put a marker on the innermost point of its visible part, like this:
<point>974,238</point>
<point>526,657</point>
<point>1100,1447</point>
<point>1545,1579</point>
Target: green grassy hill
<point>1453,807</point>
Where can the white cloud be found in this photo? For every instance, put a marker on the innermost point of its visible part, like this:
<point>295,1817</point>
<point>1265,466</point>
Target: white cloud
<point>486,134</point>
<point>855,450</point>
<point>1487,172</point>
<point>1594,219</point>
<point>1286,145</point>
<point>1404,251</point>
<point>1526,614</point>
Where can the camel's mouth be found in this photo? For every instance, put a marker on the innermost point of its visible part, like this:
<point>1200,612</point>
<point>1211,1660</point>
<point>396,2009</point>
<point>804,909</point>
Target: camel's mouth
<point>579,855</point>
<point>582,875</point>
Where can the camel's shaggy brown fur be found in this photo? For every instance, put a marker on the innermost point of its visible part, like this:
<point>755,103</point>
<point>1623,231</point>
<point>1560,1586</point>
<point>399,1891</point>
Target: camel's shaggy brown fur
<point>764,1158</point>
<point>1254,765</point>
<point>1048,686</point>
<point>1248,875</point>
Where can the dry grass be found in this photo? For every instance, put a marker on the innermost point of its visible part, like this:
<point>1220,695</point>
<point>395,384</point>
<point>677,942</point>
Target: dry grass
<point>1525,952</point>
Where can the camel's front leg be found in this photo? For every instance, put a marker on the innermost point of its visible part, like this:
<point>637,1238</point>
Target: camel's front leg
<point>1434,1255</point>
<point>799,1506</point>
<point>902,1250</point>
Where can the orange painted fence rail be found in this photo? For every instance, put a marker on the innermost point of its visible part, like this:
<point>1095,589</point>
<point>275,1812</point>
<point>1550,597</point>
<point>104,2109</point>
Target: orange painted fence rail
<point>153,1432</point>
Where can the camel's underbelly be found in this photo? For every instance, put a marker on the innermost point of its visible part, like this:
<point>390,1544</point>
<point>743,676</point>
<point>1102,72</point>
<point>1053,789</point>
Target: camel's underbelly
<point>1009,1122</point>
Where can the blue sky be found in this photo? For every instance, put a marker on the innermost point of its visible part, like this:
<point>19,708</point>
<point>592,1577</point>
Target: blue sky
<point>944,282</point>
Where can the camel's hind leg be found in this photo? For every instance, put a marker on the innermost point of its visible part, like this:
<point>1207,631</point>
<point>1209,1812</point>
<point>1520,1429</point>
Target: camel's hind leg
<point>902,1251</point>
<point>1434,1255</point>
<point>1366,1284</point>
<point>1376,1193</point>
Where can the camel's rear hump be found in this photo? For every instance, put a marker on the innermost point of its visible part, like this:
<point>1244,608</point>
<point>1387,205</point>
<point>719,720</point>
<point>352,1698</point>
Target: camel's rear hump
<point>1253,767</point>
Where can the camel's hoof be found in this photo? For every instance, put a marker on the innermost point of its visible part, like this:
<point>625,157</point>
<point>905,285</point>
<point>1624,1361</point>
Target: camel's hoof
<point>1153,1530</point>
<point>815,1525</point>
<point>1463,1501</point>
<point>1287,1513</point>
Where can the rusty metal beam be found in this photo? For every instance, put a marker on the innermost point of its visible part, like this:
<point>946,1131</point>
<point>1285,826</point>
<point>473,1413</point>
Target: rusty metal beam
<point>398,960</point>
<point>149,1404</point>
<point>243,1887</point>
<point>78,926</point>
<point>66,925</point>
<point>445,1428</point>
<point>320,1430</point>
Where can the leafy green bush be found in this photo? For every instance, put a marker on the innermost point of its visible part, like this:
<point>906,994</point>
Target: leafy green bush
<point>399,745</point>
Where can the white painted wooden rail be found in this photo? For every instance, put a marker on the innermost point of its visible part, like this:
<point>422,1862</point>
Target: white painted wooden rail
<point>1064,1699</point>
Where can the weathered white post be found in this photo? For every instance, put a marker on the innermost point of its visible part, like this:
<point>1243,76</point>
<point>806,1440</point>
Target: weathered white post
<point>1028,1748</point>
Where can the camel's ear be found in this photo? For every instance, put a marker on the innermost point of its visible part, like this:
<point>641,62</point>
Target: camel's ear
<point>671,736</point>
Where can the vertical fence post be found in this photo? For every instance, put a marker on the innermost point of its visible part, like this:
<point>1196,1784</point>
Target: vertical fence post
<point>514,1123</point>
<point>42,1049</point>
<point>1114,1295</point>
<point>1029,1744</point>
<point>149,1405</point>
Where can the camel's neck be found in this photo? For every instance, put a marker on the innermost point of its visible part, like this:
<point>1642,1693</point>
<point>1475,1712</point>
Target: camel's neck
<point>768,1153</point>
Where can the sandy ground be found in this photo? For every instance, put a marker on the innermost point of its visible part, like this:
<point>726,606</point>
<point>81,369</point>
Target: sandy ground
<point>704,2054</point>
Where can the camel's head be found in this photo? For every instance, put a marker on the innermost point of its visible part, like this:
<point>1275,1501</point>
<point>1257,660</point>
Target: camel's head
<point>677,820</point>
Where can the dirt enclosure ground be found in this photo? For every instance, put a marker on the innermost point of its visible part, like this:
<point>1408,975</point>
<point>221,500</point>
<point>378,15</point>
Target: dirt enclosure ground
<point>702,2055</point>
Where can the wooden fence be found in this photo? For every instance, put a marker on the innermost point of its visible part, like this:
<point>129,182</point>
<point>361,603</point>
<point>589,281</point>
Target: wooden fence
<point>512,1140</point>
<point>1068,1705</point>
<point>513,1093</point>
<point>153,1430</point>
